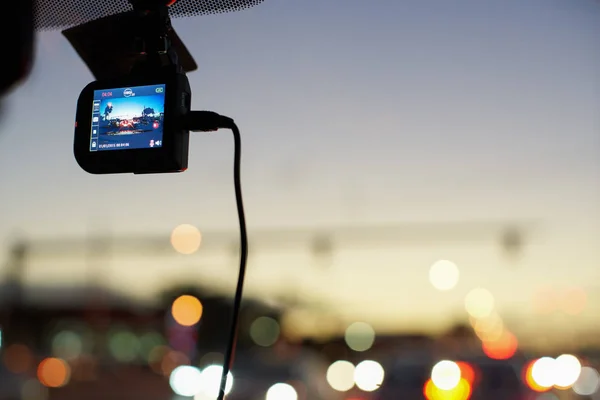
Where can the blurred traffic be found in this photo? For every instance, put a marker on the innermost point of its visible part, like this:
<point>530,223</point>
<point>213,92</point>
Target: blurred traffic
<point>73,342</point>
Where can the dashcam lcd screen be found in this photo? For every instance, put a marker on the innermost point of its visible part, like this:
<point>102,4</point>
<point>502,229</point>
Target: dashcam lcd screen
<point>128,118</point>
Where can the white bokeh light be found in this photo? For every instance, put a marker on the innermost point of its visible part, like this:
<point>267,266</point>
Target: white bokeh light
<point>185,380</point>
<point>567,370</point>
<point>210,381</point>
<point>281,391</point>
<point>444,275</point>
<point>445,375</point>
<point>543,372</point>
<point>479,303</point>
<point>588,382</point>
<point>368,375</point>
<point>340,375</point>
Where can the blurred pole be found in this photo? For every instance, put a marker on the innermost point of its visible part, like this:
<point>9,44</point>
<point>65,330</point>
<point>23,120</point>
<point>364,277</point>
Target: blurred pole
<point>322,248</point>
<point>14,282</point>
<point>97,249</point>
<point>511,243</point>
<point>97,256</point>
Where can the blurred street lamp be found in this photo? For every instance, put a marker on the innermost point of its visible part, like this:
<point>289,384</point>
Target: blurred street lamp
<point>322,249</point>
<point>512,242</point>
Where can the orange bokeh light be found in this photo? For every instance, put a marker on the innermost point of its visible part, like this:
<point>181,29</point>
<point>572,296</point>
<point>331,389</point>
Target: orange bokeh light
<point>54,372</point>
<point>503,348</point>
<point>466,371</point>
<point>172,360</point>
<point>187,310</point>
<point>462,391</point>
<point>530,381</point>
<point>18,358</point>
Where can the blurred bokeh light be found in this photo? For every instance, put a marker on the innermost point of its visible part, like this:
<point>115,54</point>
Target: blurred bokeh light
<point>265,331</point>
<point>567,370</point>
<point>501,348</point>
<point>186,380</point>
<point>17,358</point>
<point>186,239</point>
<point>488,329</point>
<point>588,382</point>
<point>359,336</point>
<point>281,391</point>
<point>461,391</point>
<point>67,345</point>
<point>466,372</point>
<point>444,275</point>
<point>368,375</point>
<point>543,372</point>
<point>187,310</point>
<point>33,390</point>
<point>54,372</point>
<point>171,360</point>
<point>210,380</point>
<point>445,374</point>
<point>124,345</point>
<point>530,380</point>
<point>340,375</point>
<point>479,303</point>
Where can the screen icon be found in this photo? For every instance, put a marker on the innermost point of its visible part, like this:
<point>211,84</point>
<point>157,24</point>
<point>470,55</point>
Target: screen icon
<point>152,143</point>
<point>94,145</point>
<point>95,119</point>
<point>94,131</point>
<point>159,90</point>
<point>128,92</point>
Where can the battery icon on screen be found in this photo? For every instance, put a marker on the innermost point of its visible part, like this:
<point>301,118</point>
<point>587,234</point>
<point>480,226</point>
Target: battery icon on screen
<point>159,90</point>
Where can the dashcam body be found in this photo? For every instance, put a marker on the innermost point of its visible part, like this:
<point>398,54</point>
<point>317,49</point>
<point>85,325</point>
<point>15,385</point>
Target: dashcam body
<point>132,124</point>
<point>130,119</point>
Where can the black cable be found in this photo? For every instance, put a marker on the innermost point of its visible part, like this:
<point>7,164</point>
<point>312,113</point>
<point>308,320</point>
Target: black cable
<point>206,121</point>
<point>237,300</point>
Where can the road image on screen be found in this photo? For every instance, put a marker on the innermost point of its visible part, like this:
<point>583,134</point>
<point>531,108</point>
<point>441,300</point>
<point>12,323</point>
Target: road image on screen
<point>128,118</point>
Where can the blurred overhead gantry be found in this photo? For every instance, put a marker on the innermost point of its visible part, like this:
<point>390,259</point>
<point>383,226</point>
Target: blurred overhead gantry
<point>321,242</point>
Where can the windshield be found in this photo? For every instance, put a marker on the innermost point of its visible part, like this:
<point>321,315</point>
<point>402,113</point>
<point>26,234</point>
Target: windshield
<point>421,179</point>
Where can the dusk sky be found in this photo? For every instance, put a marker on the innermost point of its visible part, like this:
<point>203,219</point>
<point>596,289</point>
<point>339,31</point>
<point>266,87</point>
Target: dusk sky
<point>353,112</point>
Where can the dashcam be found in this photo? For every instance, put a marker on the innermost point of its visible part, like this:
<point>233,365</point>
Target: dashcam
<point>136,118</point>
<point>133,125</point>
<point>130,120</point>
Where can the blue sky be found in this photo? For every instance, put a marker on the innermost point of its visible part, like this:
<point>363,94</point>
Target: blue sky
<point>362,113</point>
<point>133,107</point>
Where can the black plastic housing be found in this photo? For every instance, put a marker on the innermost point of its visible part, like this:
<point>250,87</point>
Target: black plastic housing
<point>106,45</point>
<point>172,156</point>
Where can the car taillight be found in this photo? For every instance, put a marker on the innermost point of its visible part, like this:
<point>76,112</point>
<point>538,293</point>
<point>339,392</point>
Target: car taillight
<point>467,372</point>
<point>462,391</point>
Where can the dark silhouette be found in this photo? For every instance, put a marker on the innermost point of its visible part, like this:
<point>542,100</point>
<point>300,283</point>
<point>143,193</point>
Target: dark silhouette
<point>147,111</point>
<point>107,110</point>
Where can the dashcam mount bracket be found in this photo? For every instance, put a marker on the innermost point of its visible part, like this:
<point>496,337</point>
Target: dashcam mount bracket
<point>138,42</point>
